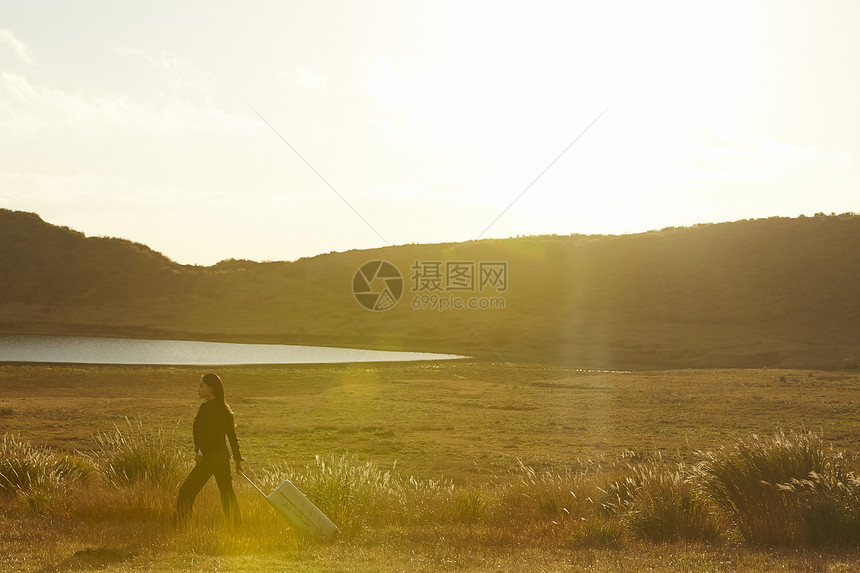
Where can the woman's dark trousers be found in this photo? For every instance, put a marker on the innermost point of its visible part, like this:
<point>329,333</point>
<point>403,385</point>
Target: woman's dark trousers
<point>195,481</point>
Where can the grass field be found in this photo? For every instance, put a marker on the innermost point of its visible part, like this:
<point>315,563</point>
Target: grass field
<point>451,466</point>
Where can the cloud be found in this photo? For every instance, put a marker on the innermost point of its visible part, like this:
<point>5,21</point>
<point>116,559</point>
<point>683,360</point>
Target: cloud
<point>179,73</point>
<point>305,78</point>
<point>734,154</point>
<point>19,47</point>
<point>88,191</point>
<point>28,110</point>
<point>845,156</point>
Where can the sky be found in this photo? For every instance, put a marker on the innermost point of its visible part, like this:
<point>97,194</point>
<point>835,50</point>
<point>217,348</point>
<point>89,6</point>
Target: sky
<point>277,130</point>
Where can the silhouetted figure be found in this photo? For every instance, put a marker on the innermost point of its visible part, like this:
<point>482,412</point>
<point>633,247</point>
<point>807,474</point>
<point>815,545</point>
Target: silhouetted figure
<point>214,422</point>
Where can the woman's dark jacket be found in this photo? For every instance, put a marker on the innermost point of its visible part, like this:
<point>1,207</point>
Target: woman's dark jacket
<point>213,422</point>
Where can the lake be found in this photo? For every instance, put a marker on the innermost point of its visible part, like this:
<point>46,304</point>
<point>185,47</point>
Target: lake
<point>99,350</point>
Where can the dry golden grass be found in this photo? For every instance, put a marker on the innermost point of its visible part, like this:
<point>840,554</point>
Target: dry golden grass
<point>426,467</point>
<point>465,421</point>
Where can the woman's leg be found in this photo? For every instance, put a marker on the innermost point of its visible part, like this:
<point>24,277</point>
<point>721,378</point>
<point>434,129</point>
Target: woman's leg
<point>228,496</point>
<point>189,490</point>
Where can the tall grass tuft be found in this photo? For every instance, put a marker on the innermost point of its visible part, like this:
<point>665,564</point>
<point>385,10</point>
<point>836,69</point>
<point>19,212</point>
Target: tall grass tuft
<point>24,467</point>
<point>468,506</point>
<point>356,495</point>
<point>347,491</point>
<point>828,506</point>
<point>597,533</point>
<point>540,497</point>
<point>136,454</point>
<point>666,505</point>
<point>751,482</point>
<point>38,476</point>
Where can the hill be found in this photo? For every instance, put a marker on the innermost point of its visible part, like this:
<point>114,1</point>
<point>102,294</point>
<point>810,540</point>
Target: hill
<point>769,292</point>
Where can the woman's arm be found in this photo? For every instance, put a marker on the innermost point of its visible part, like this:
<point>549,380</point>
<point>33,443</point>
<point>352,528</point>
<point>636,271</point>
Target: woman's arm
<point>234,441</point>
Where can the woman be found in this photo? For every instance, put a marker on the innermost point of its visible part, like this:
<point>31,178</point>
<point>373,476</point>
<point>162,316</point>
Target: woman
<point>214,422</point>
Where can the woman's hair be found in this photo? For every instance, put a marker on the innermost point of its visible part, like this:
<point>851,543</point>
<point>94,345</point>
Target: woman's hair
<point>214,381</point>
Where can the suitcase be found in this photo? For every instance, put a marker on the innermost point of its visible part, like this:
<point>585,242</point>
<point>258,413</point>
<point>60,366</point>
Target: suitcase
<point>299,510</point>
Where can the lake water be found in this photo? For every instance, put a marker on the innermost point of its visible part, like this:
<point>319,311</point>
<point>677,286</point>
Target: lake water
<point>97,350</point>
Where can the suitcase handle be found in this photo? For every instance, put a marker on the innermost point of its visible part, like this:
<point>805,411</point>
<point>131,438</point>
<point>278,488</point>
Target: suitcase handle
<point>253,484</point>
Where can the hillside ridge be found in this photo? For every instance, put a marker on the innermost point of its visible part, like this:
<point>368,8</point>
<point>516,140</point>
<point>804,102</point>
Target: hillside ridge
<point>765,292</point>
